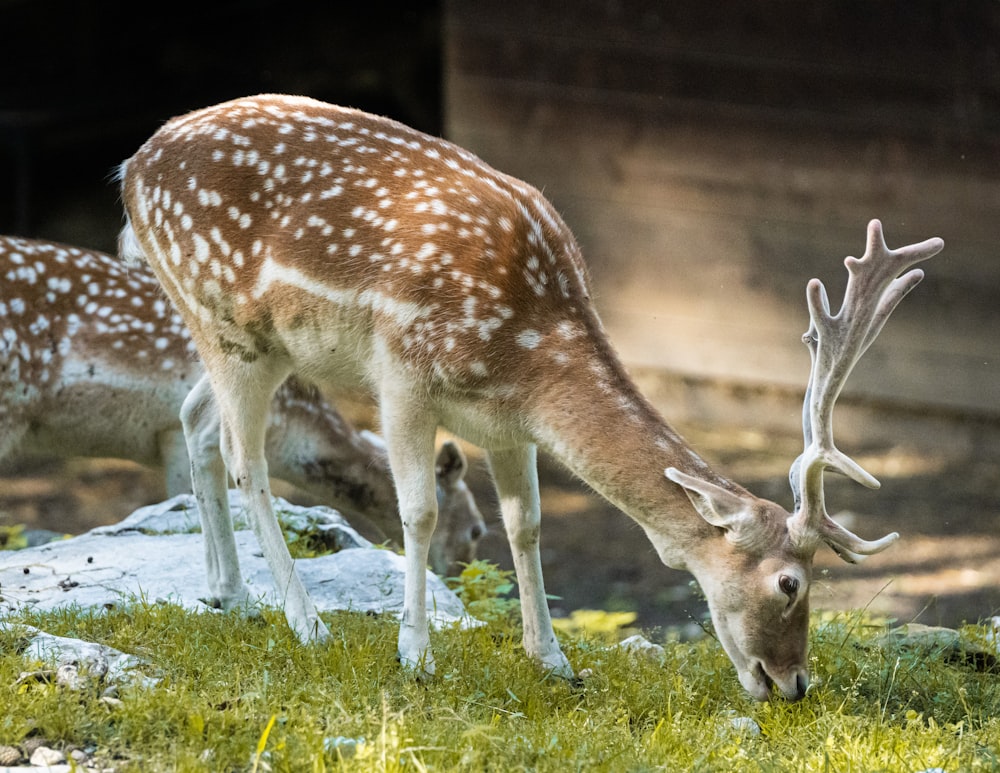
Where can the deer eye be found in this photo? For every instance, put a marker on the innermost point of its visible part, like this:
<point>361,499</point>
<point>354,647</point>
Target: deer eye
<point>788,585</point>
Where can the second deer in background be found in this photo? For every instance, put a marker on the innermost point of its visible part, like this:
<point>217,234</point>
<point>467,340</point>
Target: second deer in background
<point>95,362</point>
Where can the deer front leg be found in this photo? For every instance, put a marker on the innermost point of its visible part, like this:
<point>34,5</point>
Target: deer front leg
<point>515,473</point>
<point>409,430</point>
<point>200,419</point>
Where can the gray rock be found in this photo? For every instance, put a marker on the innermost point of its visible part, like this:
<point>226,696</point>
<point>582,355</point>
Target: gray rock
<point>640,645</point>
<point>77,661</point>
<point>156,554</point>
<point>745,726</point>
<point>946,644</point>
<point>43,756</point>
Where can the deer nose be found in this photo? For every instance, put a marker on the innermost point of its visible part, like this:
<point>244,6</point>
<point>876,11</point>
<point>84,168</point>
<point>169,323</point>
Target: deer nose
<point>801,685</point>
<point>792,685</point>
<point>477,532</point>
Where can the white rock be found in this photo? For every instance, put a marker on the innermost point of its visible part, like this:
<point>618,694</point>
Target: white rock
<point>68,675</point>
<point>145,557</point>
<point>345,747</point>
<point>69,656</point>
<point>924,636</point>
<point>179,515</point>
<point>44,756</point>
<point>745,726</point>
<point>993,635</point>
<point>640,645</point>
<point>154,554</point>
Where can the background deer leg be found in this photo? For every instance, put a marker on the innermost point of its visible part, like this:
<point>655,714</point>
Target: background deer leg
<point>176,465</point>
<point>410,430</point>
<point>11,433</point>
<point>243,396</point>
<point>515,472</point>
<point>207,472</point>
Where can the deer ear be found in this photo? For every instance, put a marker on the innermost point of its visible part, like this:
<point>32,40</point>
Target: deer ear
<point>719,506</point>
<point>450,465</point>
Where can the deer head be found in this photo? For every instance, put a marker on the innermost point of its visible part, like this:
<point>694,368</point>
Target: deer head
<point>758,590</point>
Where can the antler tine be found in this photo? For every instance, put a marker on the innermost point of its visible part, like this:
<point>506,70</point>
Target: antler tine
<point>875,286</point>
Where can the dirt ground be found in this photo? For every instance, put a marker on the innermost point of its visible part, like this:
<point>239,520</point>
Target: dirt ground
<point>944,570</point>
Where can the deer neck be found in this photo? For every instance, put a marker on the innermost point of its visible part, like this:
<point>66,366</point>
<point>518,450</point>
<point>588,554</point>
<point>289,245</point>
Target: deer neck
<point>606,432</point>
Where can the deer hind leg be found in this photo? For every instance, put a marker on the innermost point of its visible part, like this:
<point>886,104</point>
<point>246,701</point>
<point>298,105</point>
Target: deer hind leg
<point>515,473</point>
<point>243,395</point>
<point>200,418</point>
<point>409,430</point>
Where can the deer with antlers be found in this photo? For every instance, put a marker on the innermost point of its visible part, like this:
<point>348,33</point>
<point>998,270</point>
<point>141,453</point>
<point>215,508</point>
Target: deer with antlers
<point>298,237</point>
<point>95,362</point>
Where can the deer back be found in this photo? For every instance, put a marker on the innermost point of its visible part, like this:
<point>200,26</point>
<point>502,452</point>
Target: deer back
<point>276,211</point>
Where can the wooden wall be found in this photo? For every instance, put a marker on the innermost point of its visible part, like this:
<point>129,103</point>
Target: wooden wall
<point>712,158</point>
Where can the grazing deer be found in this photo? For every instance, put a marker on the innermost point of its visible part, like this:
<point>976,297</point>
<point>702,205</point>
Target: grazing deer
<point>95,362</point>
<point>298,237</point>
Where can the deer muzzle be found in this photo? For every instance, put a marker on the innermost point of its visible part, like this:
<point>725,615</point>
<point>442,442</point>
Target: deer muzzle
<point>761,683</point>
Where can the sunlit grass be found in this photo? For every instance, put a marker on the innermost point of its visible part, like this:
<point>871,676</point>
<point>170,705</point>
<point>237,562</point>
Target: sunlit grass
<point>242,695</point>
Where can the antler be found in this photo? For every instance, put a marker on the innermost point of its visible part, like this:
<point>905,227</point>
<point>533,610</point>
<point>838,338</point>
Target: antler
<point>836,342</point>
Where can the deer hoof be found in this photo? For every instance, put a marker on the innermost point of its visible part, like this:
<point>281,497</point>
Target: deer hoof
<point>422,669</point>
<point>558,667</point>
<point>312,630</point>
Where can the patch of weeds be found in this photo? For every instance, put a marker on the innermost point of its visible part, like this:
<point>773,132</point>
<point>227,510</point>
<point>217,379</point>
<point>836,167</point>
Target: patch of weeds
<point>307,544</point>
<point>486,590</point>
<point>12,537</point>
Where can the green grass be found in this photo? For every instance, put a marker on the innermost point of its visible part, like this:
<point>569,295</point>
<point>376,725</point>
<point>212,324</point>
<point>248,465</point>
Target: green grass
<point>243,695</point>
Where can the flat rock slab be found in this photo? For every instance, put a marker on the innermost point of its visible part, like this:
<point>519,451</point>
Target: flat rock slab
<point>153,555</point>
<point>73,656</point>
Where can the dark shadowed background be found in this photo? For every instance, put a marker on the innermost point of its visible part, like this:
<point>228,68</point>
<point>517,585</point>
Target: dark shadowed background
<point>711,159</point>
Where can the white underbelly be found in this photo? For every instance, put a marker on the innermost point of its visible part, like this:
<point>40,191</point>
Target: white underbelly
<point>338,357</point>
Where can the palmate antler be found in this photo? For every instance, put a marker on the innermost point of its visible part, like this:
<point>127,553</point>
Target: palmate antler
<point>836,342</point>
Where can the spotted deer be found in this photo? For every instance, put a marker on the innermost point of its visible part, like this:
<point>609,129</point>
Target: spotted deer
<point>95,362</point>
<point>300,237</point>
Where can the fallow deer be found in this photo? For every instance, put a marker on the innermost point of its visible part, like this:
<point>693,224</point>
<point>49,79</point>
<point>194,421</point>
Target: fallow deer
<point>300,237</point>
<point>95,362</point>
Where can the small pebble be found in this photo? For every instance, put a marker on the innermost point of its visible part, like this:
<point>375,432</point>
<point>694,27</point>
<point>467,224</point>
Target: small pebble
<point>640,645</point>
<point>43,756</point>
<point>745,726</point>
<point>30,744</point>
<point>68,675</point>
<point>9,755</point>
<point>345,747</point>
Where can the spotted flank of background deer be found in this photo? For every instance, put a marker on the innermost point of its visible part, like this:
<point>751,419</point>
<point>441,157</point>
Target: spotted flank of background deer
<point>299,237</point>
<point>95,362</point>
